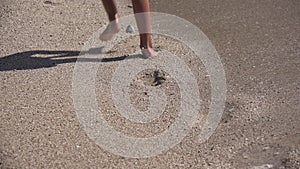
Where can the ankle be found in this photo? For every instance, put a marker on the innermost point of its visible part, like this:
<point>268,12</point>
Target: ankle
<point>145,47</point>
<point>114,18</point>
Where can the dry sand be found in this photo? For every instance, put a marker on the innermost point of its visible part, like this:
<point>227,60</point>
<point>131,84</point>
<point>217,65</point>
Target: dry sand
<point>259,48</point>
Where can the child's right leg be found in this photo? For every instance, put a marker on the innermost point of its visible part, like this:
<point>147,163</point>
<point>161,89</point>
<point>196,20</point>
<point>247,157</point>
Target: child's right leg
<point>114,27</point>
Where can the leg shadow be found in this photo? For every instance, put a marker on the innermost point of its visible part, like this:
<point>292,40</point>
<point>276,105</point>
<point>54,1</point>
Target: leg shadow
<point>44,58</point>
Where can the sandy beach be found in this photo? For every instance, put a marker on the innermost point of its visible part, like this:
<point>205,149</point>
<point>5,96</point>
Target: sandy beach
<point>258,44</point>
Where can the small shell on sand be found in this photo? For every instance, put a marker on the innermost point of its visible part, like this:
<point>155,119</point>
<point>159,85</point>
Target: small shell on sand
<point>129,29</point>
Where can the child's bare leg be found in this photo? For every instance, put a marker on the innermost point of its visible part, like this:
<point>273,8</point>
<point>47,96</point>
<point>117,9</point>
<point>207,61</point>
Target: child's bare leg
<point>143,23</point>
<point>114,26</point>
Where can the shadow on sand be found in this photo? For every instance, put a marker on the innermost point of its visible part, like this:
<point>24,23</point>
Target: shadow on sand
<point>37,59</point>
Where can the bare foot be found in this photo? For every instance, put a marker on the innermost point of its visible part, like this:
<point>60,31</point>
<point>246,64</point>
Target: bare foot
<point>111,30</point>
<point>149,53</point>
